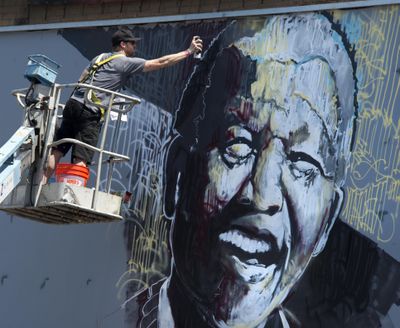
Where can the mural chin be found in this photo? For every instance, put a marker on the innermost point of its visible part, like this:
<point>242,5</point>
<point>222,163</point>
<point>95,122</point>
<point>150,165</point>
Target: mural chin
<point>255,273</point>
<point>254,307</point>
<point>262,286</point>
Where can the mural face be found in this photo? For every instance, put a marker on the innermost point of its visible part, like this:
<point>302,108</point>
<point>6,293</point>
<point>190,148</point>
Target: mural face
<point>268,190</point>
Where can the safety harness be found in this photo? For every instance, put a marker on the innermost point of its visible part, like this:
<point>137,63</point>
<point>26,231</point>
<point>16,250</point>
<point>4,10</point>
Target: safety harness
<point>90,75</point>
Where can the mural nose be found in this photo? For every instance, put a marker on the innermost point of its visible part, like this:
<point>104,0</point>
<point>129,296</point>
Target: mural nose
<point>246,194</point>
<point>267,188</point>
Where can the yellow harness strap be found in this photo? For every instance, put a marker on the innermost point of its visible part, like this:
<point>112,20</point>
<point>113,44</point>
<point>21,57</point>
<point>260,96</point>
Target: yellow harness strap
<point>99,63</point>
<point>92,71</point>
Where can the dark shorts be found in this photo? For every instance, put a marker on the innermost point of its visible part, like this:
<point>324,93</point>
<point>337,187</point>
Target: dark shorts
<point>79,123</point>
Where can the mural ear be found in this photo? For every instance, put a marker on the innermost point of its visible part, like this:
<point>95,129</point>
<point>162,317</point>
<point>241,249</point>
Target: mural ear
<point>334,213</point>
<point>173,172</point>
<point>171,194</point>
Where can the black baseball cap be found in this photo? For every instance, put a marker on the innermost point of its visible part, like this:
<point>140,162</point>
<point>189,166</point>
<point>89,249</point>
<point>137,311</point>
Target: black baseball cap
<point>123,35</point>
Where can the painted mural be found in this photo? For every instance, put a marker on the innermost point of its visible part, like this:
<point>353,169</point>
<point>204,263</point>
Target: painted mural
<point>264,175</point>
<point>262,146</point>
<point>267,185</point>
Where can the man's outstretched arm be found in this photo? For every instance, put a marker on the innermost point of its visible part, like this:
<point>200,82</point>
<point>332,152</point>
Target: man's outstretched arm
<point>169,60</point>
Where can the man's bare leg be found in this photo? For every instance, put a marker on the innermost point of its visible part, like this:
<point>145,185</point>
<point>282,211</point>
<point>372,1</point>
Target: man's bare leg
<point>52,161</point>
<point>79,161</point>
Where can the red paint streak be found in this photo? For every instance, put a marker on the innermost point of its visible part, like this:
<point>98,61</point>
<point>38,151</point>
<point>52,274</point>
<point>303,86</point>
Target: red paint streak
<point>244,112</point>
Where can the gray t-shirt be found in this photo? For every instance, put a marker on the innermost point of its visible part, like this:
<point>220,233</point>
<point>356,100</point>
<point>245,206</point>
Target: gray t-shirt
<point>113,75</point>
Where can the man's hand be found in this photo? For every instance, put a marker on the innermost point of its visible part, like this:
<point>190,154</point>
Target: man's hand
<point>196,46</point>
<point>155,64</point>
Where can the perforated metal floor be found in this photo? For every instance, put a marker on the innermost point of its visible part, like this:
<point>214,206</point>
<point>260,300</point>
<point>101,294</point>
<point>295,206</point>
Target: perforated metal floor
<point>62,213</point>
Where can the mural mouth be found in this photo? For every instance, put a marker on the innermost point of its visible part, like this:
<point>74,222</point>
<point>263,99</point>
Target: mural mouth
<point>252,248</point>
<point>238,239</point>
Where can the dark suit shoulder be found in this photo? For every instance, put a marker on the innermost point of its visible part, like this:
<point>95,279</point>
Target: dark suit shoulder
<point>352,283</point>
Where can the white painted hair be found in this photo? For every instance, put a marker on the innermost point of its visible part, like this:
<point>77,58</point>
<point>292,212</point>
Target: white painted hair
<point>301,37</point>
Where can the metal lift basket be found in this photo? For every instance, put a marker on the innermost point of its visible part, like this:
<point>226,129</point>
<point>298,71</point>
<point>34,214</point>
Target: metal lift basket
<point>24,156</point>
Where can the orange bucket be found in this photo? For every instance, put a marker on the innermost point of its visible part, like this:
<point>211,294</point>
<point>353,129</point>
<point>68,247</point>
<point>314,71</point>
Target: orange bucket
<point>72,174</point>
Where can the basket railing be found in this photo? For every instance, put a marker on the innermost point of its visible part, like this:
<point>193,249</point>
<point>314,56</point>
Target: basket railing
<point>119,107</point>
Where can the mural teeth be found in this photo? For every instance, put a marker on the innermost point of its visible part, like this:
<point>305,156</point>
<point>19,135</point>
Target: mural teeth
<point>240,240</point>
<point>243,242</point>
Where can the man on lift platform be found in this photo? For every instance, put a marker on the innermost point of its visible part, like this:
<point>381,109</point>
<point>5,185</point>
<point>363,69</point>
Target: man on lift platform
<point>82,120</point>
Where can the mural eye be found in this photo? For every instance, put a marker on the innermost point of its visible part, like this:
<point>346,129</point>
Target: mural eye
<point>303,169</point>
<point>304,165</point>
<point>236,152</point>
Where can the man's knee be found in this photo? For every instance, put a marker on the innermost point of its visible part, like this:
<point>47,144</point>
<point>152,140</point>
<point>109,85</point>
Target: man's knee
<point>79,161</point>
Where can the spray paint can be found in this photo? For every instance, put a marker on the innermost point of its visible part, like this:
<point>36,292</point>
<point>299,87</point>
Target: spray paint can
<point>197,55</point>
